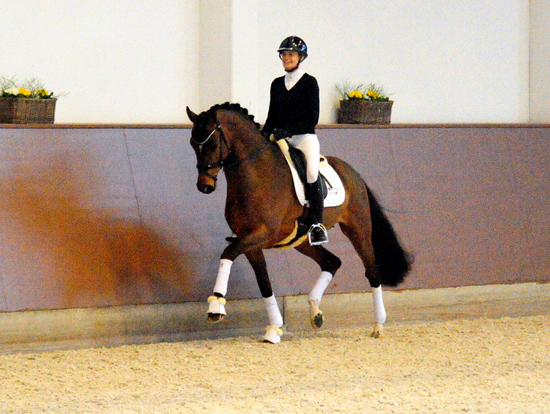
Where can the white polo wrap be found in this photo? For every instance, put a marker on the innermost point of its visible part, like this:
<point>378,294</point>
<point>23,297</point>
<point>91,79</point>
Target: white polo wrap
<point>320,287</point>
<point>223,277</point>
<point>378,302</point>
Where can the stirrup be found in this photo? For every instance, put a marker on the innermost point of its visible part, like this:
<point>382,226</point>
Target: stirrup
<point>321,234</point>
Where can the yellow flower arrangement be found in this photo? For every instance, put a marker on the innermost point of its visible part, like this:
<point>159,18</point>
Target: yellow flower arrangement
<point>355,95</point>
<point>373,95</point>
<point>32,89</point>
<point>371,92</point>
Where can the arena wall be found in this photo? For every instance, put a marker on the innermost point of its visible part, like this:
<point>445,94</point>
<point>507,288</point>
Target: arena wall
<point>97,217</point>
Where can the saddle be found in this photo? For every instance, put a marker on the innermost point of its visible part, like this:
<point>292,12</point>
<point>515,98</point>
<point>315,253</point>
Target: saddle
<point>299,160</point>
<point>331,184</point>
<point>333,189</point>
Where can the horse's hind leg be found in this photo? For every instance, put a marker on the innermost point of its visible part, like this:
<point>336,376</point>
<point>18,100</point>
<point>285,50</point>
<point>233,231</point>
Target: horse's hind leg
<point>361,240</point>
<point>329,264</point>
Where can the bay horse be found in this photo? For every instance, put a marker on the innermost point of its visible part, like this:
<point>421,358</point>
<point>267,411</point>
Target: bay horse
<point>262,210</point>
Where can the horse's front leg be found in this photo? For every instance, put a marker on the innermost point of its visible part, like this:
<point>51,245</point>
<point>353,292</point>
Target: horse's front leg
<point>273,331</point>
<point>216,307</point>
<point>216,302</point>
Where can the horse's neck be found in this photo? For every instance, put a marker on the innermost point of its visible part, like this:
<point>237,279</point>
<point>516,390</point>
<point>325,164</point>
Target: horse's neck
<point>256,156</point>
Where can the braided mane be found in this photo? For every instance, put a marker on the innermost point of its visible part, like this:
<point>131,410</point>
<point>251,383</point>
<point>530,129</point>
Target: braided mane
<point>234,107</point>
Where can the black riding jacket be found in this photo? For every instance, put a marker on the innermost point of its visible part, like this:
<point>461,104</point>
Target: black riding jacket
<point>295,110</point>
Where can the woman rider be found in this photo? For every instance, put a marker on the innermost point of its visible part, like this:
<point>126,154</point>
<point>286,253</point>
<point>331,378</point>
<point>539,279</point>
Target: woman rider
<point>293,114</point>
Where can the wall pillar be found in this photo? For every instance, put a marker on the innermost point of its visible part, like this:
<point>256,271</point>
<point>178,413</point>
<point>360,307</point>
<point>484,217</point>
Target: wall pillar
<point>539,61</point>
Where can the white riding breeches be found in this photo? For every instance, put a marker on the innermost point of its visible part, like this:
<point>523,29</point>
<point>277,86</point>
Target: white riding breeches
<point>309,145</point>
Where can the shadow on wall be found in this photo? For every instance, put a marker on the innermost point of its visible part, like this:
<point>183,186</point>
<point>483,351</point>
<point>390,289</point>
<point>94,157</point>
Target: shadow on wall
<point>62,242</point>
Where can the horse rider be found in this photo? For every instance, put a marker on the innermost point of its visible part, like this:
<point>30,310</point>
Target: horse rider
<point>293,114</point>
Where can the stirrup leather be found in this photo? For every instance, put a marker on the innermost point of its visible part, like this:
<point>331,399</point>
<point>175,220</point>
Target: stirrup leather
<point>323,239</point>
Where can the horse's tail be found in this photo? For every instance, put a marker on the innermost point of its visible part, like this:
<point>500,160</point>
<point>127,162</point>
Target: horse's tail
<point>393,263</point>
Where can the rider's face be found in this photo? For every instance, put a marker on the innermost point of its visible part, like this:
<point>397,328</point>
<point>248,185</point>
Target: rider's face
<point>290,59</point>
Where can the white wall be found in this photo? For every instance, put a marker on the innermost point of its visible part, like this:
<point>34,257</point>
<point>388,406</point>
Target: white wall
<point>122,61</point>
<point>444,61</point>
<point>143,61</point>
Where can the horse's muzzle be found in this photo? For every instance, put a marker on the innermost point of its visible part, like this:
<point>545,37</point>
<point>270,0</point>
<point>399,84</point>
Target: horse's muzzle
<point>206,189</point>
<point>206,184</point>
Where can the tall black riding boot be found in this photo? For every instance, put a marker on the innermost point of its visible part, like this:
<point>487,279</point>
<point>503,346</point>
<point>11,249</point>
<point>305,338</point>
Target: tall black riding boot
<point>317,232</point>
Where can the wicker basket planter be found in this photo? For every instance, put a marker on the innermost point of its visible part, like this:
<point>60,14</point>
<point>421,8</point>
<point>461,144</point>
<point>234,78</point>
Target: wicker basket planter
<point>359,111</point>
<point>27,111</point>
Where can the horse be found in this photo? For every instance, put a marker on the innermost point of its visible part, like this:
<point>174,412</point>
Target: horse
<point>262,210</point>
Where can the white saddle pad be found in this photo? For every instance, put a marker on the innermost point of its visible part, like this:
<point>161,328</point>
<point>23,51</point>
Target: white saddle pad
<point>336,193</point>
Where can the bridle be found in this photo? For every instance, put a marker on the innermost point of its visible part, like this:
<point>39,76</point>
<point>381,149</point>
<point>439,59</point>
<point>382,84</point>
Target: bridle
<point>204,167</point>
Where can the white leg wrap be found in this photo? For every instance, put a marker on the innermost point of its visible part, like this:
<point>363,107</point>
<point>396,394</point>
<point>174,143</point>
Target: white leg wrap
<point>223,277</point>
<point>378,302</point>
<point>216,305</point>
<point>273,334</point>
<point>320,287</point>
<point>275,318</point>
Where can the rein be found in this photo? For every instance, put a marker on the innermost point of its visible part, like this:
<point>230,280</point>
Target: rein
<point>203,168</point>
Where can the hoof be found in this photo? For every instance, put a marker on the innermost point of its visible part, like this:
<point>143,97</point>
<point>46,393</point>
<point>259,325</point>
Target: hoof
<point>317,321</point>
<point>215,317</point>
<point>377,331</point>
<point>272,335</point>
<point>216,309</point>
<point>315,314</point>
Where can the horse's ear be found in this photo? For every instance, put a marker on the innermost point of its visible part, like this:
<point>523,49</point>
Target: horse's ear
<point>192,116</point>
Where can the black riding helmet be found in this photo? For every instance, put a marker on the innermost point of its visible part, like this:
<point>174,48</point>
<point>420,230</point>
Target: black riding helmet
<point>294,43</point>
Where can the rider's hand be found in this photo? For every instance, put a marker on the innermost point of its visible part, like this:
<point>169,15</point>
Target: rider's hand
<point>281,133</point>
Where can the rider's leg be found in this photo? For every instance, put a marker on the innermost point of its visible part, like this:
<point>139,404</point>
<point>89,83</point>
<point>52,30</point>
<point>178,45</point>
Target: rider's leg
<point>317,231</point>
<point>309,145</point>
